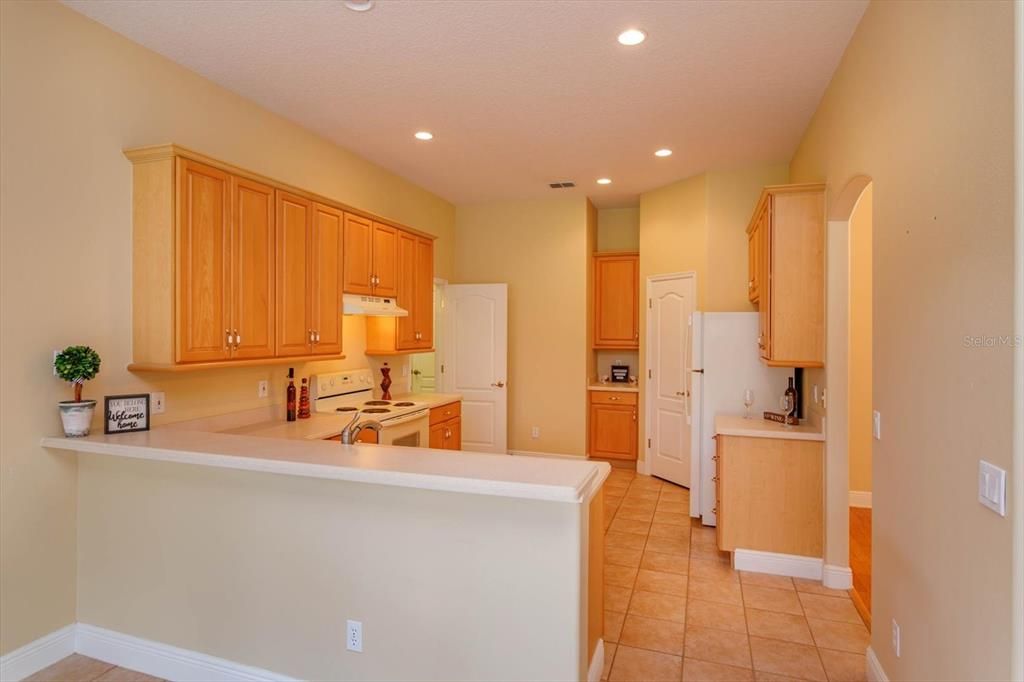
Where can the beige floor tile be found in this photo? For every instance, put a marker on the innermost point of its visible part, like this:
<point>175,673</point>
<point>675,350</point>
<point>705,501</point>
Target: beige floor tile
<point>643,494</point>
<point>646,482</point>
<point>635,514</point>
<point>774,625</point>
<point>710,569</point>
<point>673,507</point>
<point>74,668</point>
<point>638,503</point>
<point>661,581</point>
<point>718,646</point>
<point>609,656</point>
<point>668,545</point>
<point>771,599</point>
<point>125,675</point>
<point>626,540</point>
<point>622,576</point>
<point>705,671</point>
<point>786,658</point>
<point>674,496</point>
<point>652,633</point>
<point>844,667</point>
<point>762,676</point>
<point>631,526</point>
<point>613,625</point>
<point>779,582</point>
<point>657,605</point>
<point>715,590</point>
<point>830,634</point>
<point>710,552</point>
<point>709,614</point>
<point>671,518</point>
<point>616,598</point>
<point>829,608</point>
<point>705,535</point>
<point>638,665</point>
<point>623,556</point>
<point>668,530</point>
<point>669,563</point>
<point>815,587</point>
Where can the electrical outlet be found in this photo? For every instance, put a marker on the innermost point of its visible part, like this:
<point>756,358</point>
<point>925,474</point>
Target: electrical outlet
<point>535,432</point>
<point>262,389</point>
<point>876,424</point>
<point>157,402</point>
<point>895,638</point>
<point>992,487</point>
<point>54,365</point>
<point>354,636</point>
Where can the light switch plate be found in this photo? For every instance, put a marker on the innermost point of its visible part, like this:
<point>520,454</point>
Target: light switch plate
<point>157,402</point>
<point>992,487</point>
<point>876,424</point>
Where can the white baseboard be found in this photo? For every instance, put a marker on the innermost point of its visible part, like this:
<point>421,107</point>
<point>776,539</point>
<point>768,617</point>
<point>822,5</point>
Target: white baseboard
<point>860,499</point>
<point>535,453</point>
<point>643,466</point>
<point>874,668</point>
<point>163,660</point>
<point>38,654</point>
<point>777,564</point>
<point>837,577</point>
<point>596,663</point>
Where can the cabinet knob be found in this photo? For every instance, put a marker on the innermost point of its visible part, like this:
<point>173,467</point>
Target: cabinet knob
<point>634,415</point>
<point>614,397</point>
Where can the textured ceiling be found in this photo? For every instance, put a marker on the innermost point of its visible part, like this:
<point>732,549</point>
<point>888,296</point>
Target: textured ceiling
<point>518,93</point>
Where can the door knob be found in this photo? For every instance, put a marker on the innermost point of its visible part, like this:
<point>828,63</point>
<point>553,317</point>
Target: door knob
<point>499,384</point>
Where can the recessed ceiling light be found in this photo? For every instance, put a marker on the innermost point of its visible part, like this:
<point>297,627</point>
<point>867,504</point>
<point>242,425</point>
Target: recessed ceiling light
<point>663,152</point>
<point>424,135</point>
<point>604,181</point>
<point>359,5</point>
<point>632,36</point>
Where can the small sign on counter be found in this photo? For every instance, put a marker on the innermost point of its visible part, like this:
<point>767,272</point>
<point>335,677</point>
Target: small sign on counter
<point>126,413</point>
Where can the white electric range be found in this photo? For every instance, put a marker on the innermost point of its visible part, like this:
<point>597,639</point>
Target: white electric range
<point>348,393</point>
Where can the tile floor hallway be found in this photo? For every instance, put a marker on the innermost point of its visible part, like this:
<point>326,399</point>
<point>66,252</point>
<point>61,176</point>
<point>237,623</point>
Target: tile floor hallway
<point>676,610</point>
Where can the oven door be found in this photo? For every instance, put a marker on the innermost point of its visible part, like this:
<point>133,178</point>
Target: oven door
<point>411,430</point>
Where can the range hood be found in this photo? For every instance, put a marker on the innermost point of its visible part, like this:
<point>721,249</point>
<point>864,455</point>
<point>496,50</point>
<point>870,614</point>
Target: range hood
<point>374,306</point>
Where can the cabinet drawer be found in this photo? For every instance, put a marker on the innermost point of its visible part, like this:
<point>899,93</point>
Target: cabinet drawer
<point>445,412</point>
<point>612,398</point>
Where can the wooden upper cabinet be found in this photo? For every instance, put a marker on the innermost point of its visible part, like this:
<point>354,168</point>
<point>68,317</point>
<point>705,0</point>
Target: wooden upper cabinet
<point>203,315</point>
<point>253,253</point>
<point>385,260</point>
<point>294,275</point>
<point>423,293</point>
<point>406,337</point>
<point>327,281</point>
<point>415,294</point>
<point>789,254</point>
<point>617,300</point>
<point>358,249</point>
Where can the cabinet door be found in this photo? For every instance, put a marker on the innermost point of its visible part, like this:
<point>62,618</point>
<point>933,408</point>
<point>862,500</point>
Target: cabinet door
<point>765,269</point>
<point>294,309</point>
<point>453,434</point>
<point>616,301</point>
<point>405,328</point>
<point>437,432</point>
<point>252,275</point>
<point>613,431</point>
<point>385,260</point>
<point>358,251</point>
<point>202,313</point>
<point>328,237</point>
<point>423,306</point>
<point>753,262</point>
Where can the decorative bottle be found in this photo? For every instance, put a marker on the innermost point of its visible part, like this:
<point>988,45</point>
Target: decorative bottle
<point>385,382</point>
<point>304,401</point>
<point>291,394</point>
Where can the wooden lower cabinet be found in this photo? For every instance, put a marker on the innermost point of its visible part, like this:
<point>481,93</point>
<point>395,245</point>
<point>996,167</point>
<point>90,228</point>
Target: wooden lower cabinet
<point>613,425</point>
<point>769,495</point>
<point>446,427</point>
<point>365,436</point>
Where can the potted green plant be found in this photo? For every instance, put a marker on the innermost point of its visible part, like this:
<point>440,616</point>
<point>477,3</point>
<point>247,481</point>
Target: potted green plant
<point>77,364</point>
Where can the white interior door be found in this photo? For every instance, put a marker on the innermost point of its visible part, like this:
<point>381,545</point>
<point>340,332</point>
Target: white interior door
<point>671,302</point>
<point>475,362</point>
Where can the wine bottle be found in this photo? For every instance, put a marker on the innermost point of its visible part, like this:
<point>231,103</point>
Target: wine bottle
<point>291,394</point>
<point>791,397</point>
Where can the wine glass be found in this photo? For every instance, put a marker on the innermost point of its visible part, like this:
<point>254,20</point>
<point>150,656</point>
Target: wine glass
<point>748,400</point>
<point>786,405</point>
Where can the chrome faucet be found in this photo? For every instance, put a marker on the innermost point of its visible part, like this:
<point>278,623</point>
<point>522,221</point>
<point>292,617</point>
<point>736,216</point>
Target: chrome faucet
<point>352,429</point>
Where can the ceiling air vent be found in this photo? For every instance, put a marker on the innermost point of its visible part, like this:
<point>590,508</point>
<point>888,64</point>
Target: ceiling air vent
<point>562,185</point>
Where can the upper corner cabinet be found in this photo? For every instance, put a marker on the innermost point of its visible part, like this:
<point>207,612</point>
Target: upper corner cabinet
<point>617,300</point>
<point>786,257</point>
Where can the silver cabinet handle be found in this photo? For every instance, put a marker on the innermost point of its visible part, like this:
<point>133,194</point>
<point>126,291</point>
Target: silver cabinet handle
<point>238,339</point>
<point>227,339</point>
<point>316,336</point>
<point>498,384</point>
<point>309,332</point>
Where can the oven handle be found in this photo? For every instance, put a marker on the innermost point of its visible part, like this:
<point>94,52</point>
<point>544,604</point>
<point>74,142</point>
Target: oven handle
<point>421,414</point>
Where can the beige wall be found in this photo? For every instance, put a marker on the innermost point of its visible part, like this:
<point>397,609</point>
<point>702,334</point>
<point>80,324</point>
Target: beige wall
<point>922,104</point>
<point>439,593</point>
<point>618,229</point>
<point>74,95</point>
<point>860,344</point>
<point>540,249</point>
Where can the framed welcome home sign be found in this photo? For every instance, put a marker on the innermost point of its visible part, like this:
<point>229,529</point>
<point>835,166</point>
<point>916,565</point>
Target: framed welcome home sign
<point>126,413</point>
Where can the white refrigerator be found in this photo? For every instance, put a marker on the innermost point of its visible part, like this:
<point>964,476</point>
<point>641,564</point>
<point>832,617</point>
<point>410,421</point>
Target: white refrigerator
<point>725,364</point>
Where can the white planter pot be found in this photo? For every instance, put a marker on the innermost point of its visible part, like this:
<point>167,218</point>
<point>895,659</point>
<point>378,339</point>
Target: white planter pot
<point>77,417</point>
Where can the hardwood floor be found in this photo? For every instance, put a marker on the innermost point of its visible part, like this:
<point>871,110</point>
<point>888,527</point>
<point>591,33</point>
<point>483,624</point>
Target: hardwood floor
<point>860,560</point>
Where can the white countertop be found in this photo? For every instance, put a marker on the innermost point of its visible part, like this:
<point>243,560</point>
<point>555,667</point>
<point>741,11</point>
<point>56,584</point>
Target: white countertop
<point>251,441</point>
<point>732,425</point>
<point>595,385</point>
